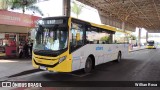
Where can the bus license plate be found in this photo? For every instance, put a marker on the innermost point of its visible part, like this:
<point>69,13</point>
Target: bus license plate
<point>43,68</point>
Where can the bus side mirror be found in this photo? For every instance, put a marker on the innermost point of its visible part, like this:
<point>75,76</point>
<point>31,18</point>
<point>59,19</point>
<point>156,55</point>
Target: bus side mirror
<point>77,36</point>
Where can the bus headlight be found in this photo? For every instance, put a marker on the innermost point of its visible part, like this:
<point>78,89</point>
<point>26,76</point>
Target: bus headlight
<point>62,59</point>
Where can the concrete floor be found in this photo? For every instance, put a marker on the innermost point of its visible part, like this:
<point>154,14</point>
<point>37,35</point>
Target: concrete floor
<point>143,65</point>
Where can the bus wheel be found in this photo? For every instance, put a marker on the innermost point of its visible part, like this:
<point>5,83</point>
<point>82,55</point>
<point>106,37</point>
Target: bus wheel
<point>88,65</point>
<point>119,57</point>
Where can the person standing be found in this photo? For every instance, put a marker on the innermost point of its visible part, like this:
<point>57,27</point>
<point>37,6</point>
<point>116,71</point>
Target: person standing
<point>26,52</point>
<point>31,46</point>
<point>20,51</point>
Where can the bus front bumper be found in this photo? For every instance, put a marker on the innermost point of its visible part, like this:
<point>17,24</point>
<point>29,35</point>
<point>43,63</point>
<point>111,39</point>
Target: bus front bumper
<point>64,66</point>
<point>150,47</point>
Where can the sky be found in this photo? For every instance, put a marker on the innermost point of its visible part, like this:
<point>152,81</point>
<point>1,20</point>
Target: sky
<point>51,8</point>
<point>88,14</point>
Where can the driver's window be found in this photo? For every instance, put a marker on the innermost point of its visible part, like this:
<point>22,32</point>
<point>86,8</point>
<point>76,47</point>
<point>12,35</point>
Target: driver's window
<point>76,29</point>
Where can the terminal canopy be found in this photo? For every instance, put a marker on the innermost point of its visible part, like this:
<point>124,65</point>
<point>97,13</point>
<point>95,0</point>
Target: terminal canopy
<point>138,13</point>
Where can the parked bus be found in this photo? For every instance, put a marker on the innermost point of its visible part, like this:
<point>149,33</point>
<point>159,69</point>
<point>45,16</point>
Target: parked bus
<point>150,45</point>
<point>66,44</point>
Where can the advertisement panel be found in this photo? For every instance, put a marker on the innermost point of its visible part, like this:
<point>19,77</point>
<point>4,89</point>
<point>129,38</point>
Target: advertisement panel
<point>18,19</point>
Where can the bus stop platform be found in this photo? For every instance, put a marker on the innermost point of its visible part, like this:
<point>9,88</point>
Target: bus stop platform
<point>10,67</point>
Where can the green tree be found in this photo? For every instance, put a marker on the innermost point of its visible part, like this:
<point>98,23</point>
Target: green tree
<point>105,38</point>
<point>25,5</point>
<point>76,9</point>
<point>133,37</point>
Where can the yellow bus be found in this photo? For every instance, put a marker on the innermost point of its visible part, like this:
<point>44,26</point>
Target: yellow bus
<point>150,45</point>
<point>66,44</point>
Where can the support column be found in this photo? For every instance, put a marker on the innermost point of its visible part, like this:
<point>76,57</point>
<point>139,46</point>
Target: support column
<point>139,37</point>
<point>123,26</point>
<point>66,7</point>
<point>146,36</point>
<point>111,38</point>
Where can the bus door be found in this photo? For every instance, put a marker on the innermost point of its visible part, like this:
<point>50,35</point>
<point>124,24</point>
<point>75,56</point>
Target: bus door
<point>76,42</point>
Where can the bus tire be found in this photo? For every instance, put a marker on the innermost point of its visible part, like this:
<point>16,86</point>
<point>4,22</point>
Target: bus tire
<point>119,57</point>
<point>88,65</point>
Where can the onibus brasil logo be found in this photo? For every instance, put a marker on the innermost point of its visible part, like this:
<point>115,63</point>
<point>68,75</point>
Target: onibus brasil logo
<point>21,84</point>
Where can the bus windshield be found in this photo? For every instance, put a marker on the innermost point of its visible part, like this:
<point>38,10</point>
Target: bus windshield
<point>50,38</point>
<point>150,43</point>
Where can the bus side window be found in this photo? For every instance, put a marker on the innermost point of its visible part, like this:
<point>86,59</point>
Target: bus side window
<point>119,38</point>
<point>104,37</point>
<point>91,35</point>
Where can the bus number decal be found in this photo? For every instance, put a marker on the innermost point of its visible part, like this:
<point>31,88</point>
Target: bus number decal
<point>99,48</point>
